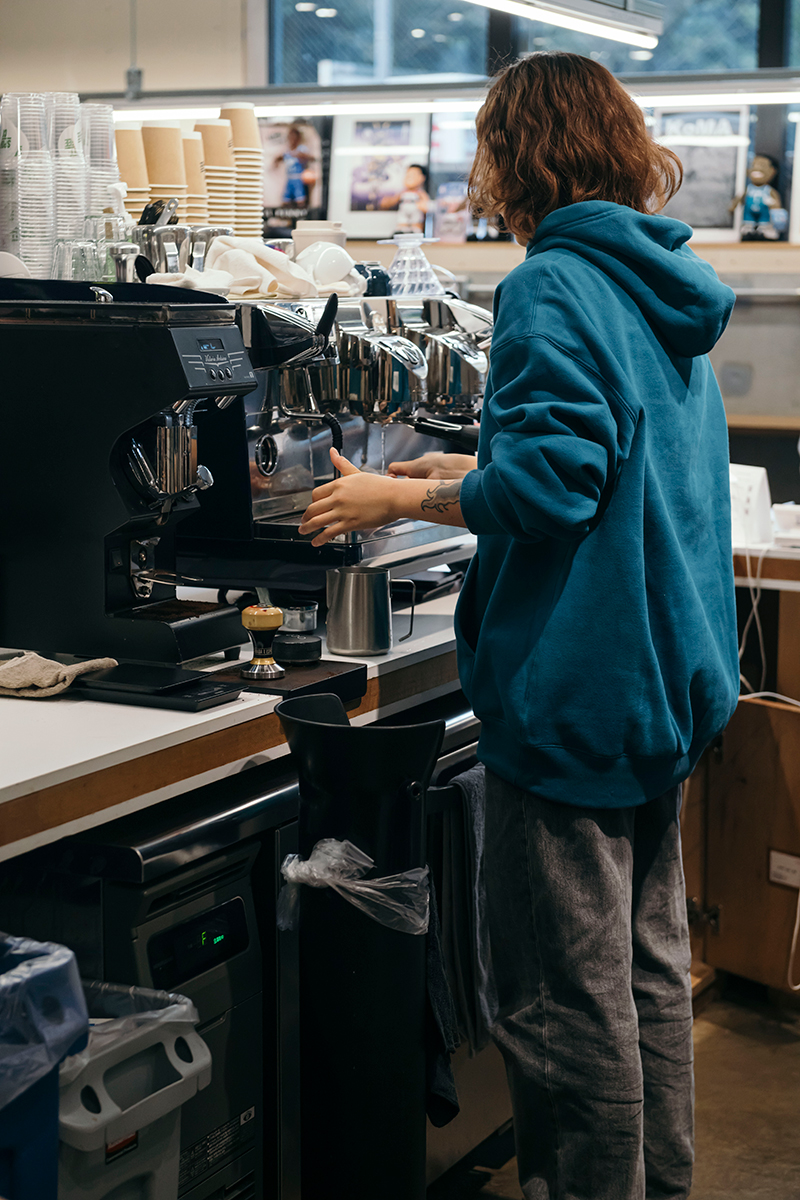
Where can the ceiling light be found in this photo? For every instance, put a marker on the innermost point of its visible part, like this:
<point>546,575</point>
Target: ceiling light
<point>440,37</point>
<point>566,20</point>
<point>305,7</point>
<point>711,100</point>
<point>704,139</point>
<point>455,16</point>
<point>327,12</point>
<point>418,33</point>
<point>641,55</point>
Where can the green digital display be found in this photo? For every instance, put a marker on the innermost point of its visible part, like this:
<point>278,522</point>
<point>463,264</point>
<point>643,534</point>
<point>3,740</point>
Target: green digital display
<point>197,945</point>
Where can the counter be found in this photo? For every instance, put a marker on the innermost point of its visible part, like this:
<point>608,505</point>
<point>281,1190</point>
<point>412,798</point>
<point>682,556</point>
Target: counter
<point>69,763</point>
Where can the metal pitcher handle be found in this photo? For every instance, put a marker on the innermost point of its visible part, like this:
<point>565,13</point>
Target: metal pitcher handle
<point>406,636</point>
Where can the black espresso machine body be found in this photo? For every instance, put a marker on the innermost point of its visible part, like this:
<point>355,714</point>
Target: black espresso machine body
<point>98,464</point>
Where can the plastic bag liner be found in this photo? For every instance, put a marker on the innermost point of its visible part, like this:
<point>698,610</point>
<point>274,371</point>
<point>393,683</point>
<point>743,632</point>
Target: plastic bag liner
<point>42,1011</point>
<point>116,1011</point>
<point>400,902</point>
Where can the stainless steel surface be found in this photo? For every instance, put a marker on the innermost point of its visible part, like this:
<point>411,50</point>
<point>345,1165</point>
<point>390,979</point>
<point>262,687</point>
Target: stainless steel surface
<point>166,246</point>
<point>202,237</point>
<point>103,296</point>
<point>260,669</point>
<point>359,611</point>
<point>163,217</point>
<point>300,618</point>
<point>124,256</point>
<point>109,311</point>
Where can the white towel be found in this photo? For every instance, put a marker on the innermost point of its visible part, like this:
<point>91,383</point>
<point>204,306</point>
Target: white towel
<point>35,678</point>
<point>245,257</point>
<point>203,281</point>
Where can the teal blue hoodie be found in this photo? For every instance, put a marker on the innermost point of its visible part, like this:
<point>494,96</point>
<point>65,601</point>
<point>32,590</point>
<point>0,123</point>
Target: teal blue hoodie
<point>596,627</point>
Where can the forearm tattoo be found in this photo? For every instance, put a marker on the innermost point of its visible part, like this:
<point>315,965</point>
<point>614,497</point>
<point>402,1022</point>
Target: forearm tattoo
<point>443,496</point>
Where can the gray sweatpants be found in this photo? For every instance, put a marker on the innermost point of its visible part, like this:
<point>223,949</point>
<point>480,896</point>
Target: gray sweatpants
<point>590,950</point>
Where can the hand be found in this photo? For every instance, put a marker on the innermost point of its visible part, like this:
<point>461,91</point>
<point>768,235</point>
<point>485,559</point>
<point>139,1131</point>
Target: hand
<point>435,466</point>
<point>355,501</point>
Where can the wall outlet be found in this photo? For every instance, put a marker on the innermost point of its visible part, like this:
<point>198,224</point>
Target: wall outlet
<point>784,868</point>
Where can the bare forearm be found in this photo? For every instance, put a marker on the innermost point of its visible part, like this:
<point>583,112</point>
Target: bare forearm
<point>435,500</point>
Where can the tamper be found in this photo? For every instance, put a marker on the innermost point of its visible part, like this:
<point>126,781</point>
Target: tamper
<point>262,624</point>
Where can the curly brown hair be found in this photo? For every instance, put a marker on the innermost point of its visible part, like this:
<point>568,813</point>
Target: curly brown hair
<point>557,128</point>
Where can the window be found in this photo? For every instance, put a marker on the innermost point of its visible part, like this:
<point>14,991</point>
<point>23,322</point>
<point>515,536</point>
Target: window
<point>373,41</point>
<point>699,35</point>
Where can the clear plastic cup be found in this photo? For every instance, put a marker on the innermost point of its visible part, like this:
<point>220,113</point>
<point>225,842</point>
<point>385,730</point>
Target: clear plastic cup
<point>77,260</point>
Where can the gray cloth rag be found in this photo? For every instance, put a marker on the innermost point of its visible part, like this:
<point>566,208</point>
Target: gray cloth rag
<point>465,927</point>
<point>35,678</point>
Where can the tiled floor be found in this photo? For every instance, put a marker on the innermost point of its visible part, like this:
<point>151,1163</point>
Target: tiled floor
<point>748,1106</point>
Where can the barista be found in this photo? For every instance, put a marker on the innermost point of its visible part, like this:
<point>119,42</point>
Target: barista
<point>596,628</point>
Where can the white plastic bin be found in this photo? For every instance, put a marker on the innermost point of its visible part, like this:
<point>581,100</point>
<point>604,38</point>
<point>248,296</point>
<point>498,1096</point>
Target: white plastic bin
<point>120,1109</point>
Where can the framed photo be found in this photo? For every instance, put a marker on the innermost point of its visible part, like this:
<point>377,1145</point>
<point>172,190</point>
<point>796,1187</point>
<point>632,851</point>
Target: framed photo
<point>296,171</point>
<point>713,147</point>
<point>379,174</point>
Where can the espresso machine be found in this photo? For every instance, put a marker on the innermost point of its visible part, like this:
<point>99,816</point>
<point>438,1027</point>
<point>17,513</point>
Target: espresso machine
<point>99,467</point>
<point>383,379</point>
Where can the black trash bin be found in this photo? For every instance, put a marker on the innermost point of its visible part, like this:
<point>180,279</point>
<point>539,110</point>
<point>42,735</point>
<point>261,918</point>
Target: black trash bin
<point>362,985</point>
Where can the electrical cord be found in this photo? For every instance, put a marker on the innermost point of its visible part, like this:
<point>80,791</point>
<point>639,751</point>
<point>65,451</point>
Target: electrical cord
<point>755,599</point>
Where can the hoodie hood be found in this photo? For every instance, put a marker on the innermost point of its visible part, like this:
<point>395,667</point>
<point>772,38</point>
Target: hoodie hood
<point>679,294</point>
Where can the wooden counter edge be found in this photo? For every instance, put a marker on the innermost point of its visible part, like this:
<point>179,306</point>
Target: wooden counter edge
<point>37,812</point>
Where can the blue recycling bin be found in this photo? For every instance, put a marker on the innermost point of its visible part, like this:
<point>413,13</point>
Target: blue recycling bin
<point>43,1018</point>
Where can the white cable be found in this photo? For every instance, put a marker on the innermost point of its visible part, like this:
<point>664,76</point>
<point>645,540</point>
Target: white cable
<point>795,987</point>
<point>771,696</point>
<point>755,599</point>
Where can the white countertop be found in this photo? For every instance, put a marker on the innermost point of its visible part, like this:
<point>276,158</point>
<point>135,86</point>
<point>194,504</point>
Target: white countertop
<point>48,742</point>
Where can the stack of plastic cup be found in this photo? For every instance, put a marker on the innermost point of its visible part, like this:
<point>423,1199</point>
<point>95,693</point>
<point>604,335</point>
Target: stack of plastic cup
<point>99,141</point>
<point>69,163</point>
<point>27,208</point>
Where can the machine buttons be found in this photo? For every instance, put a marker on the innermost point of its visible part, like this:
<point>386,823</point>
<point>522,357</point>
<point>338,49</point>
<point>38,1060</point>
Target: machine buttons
<point>229,372</point>
<point>213,374</point>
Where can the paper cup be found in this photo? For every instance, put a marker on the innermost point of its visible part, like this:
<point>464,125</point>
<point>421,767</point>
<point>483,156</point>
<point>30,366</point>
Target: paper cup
<point>163,150</point>
<point>131,158</point>
<point>217,143</point>
<point>195,166</point>
<point>244,125</point>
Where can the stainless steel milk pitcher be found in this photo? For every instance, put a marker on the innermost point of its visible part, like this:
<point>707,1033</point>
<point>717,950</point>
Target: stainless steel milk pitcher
<point>360,611</point>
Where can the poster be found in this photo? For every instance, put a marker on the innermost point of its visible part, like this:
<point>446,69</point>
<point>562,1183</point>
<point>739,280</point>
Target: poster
<point>713,148</point>
<point>379,175</point>
<point>296,170</point>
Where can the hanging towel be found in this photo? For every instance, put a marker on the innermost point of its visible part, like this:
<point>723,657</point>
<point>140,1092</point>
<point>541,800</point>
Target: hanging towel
<point>35,678</point>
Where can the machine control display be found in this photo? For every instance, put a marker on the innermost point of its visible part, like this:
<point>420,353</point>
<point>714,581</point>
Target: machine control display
<point>210,344</point>
<point>197,945</point>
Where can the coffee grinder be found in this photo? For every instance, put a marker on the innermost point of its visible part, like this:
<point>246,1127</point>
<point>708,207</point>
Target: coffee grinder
<point>98,464</point>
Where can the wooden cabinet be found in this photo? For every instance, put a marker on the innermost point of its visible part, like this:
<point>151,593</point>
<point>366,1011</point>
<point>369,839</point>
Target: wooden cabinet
<point>751,785</point>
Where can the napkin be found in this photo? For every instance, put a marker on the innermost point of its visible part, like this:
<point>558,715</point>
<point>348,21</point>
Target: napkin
<point>204,281</point>
<point>35,678</point>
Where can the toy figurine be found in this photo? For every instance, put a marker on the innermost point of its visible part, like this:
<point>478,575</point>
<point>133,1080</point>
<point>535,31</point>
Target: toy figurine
<point>413,202</point>
<point>761,201</point>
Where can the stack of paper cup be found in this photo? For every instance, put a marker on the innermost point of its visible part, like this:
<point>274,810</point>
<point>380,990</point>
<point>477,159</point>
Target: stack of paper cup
<point>197,195</point>
<point>163,150</point>
<point>69,164</point>
<point>220,170</point>
<point>248,158</point>
<point>133,169</point>
<point>98,138</point>
<point>27,193</point>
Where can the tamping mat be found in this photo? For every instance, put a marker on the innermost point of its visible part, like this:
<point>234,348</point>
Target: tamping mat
<point>347,680</point>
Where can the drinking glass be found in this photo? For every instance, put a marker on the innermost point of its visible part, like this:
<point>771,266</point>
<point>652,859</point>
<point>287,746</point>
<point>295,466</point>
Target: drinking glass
<point>77,260</point>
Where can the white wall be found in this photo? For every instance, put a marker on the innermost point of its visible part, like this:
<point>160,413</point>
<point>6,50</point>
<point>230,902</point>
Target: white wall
<point>84,45</point>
